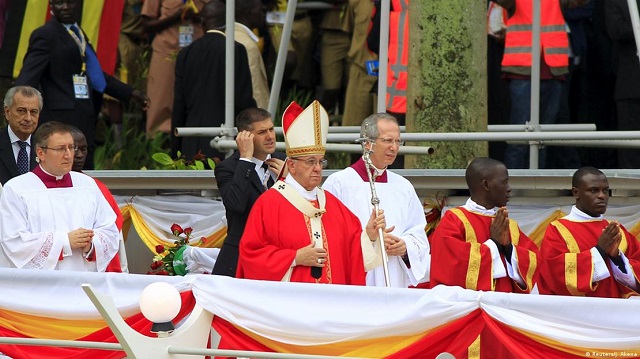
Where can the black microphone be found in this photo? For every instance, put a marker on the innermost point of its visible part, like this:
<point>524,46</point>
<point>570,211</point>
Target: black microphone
<point>316,272</point>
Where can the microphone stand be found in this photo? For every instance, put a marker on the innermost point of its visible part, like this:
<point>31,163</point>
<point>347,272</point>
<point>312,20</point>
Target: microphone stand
<point>375,201</point>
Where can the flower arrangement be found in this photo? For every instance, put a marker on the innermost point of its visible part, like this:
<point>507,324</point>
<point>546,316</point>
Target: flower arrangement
<point>433,211</point>
<point>169,261</point>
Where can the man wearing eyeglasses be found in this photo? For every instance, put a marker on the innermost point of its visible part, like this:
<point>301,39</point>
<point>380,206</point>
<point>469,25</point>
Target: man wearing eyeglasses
<point>296,231</point>
<point>405,239</point>
<point>52,218</point>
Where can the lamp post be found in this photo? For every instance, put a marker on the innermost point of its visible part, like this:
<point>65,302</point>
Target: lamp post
<point>160,303</point>
<point>194,332</point>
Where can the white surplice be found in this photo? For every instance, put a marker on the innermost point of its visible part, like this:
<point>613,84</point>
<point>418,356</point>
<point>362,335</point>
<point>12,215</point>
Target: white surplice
<point>402,209</point>
<point>35,222</point>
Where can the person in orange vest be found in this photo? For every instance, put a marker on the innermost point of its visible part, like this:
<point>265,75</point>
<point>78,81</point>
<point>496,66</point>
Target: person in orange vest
<point>517,60</point>
<point>397,53</point>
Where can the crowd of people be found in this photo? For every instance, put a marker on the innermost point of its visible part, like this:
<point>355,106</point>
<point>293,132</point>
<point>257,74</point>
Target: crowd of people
<point>284,224</point>
<point>332,234</point>
<point>589,67</point>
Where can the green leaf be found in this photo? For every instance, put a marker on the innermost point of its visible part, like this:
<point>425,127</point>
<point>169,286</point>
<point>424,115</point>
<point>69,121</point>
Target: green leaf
<point>211,163</point>
<point>162,158</point>
<point>199,165</point>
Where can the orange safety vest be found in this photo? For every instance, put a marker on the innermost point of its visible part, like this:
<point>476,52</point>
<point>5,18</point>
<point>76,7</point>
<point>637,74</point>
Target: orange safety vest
<point>398,57</point>
<point>553,38</point>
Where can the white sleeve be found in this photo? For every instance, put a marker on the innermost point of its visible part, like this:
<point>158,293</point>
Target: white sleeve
<point>106,239</point>
<point>628,278</point>
<point>23,248</point>
<point>418,249</point>
<point>498,268</point>
<point>600,270</point>
<point>513,273</point>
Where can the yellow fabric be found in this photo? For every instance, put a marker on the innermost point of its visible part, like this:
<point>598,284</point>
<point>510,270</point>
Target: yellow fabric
<point>577,351</point>
<point>34,16</point>
<point>126,222</point>
<point>151,240</point>
<point>473,352</point>
<point>368,348</point>
<point>515,232</point>
<point>42,327</point>
<point>635,230</point>
<point>538,234</point>
<point>473,270</point>
<point>92,10</point>
<point>533,264</point>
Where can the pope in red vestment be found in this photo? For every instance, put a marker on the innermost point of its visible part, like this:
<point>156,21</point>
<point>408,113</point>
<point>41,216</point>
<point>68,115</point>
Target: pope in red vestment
<point>275,230</point>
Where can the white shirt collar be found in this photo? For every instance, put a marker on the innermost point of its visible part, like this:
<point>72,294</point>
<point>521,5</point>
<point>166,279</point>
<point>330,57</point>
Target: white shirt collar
<point>68,26</point>
<point>14,138</point>
<point>378,172</point>
<point>247,30</point>
<point>259,162</point>
<point>578,215</point>
<point>57,177</point>
<point>472,206</point>
<point>308,195</point>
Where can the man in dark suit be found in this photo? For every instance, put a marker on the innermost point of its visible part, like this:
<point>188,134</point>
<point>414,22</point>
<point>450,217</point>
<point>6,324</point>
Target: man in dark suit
<point>243,177</point>
<point>627,91</point>
<point>63,64</point>
<point>22,106</point>
<point>199,92</point>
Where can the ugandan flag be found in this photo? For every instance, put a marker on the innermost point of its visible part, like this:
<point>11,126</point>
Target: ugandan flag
<point>100,20</point>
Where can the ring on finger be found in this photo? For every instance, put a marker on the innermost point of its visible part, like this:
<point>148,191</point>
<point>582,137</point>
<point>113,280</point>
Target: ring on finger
<point>319,260</point>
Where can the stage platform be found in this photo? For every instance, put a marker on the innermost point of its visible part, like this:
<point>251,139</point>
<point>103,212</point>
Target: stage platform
<point>546,185</point>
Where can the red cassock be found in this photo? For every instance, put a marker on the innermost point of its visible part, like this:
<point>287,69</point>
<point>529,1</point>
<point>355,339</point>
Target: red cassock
<point>568,264</point>
<point>275,230</point>
<point>458,257</point>
<point>114,265</point>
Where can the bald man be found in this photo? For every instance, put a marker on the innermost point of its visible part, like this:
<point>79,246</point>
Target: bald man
<point>477,246</point>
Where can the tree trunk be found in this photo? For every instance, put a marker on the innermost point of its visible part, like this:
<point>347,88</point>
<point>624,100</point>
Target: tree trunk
<point>447,88</point>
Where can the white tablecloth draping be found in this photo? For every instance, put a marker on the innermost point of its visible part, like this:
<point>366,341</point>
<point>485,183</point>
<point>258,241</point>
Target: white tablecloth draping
<point>312,315</point>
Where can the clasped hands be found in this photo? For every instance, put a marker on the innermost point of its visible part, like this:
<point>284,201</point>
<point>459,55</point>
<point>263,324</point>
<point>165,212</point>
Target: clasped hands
<point>392,244</point>
<point>610,239</point>
<point>499,229</point>
<point>81,238</point>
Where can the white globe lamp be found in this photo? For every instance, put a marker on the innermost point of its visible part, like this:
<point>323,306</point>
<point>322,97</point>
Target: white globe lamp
<point>160,303</point>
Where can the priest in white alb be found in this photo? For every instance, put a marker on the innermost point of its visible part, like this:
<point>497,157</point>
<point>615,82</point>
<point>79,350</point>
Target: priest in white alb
<point>405,238</point>
<point>52,218</point>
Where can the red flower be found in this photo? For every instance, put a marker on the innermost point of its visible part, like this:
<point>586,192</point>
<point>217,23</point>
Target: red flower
<point>202,241</point>
<point>157,264</point>
<point>176,229</point>
<point>187,231</point>
<point>159,249</point>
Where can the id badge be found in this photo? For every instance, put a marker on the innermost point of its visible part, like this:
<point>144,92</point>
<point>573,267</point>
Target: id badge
<point>186,35</point>
<point>80,86</point>
<point>275,17</point>
<point>372,67</point>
